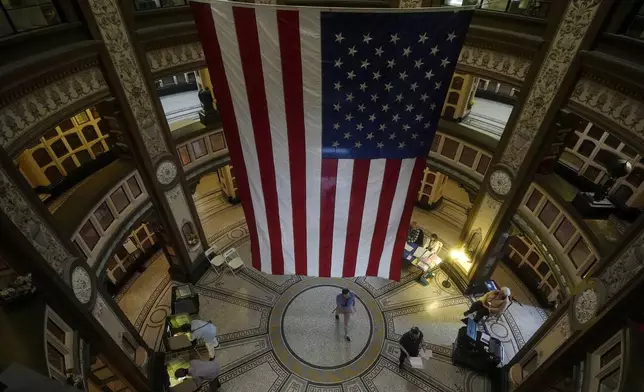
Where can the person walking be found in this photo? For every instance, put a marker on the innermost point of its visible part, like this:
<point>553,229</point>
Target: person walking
<point>345,304</point>
<point>201,372</point>
<point>410,344</point>
<point>492,302</point>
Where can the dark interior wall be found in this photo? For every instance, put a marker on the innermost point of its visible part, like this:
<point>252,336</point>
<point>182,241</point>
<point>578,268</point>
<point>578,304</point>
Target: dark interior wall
<point>22,332</point>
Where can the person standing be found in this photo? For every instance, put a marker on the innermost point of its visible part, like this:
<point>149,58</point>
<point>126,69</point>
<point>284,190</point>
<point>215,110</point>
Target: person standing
<point>492,302</point>
<point>205,331</point>
<point>201,372</point>
<point>410,344</point>
<point>345,304</point>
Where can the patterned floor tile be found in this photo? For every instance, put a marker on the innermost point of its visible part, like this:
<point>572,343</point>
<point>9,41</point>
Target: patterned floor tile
<point>355,385</point>
<point>414,293</point>
<point>263,374</point>
<point>386,377</point>
<point>238,285</point>
<point>235,353</point>
<point>294,384</point>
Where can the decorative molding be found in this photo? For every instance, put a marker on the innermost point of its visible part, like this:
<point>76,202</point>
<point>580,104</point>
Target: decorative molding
<point>23,113</point>
<point>492,61</point>
<point>585,305</point>
<point>16,207</point>
<point>626,267</point>
<point>619,106</point>
<point>174,56</point>
<point>411,3</point>
<point>81,284</point>
<point>166,172</point>
<point>561,53</point>
<point>112,28</point>
<point>99,306</point>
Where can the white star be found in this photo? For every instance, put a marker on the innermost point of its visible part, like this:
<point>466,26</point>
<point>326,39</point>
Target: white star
<point>347,135</point>
<point>365,64</point>
<point>402,75</point>
<point>395,118</point>
<point>406,127</point>
<point>379,51</point>
<point>418,63</point>
<point>337,86</point>
<point>407,51</point>
<point>401,145</point>
<point>336,126</point>
<point>372,118</point>
<point>361,108</point>
<point>358,145</point>
<point>382,127</point>
<point>394,38</point>
<point>413,86</point>
<point>374,97</point>
<point>350,97</point>
<point>419,117</point>
<point>414,136</point>
<point>445,62</point>
<point>351,75</point>
<point>370,136</point>
<point>399,98</point>
<point>409,108</point>
<point>338,63</point>
<point>336,107</point>
<point>435,50</point>
<point>392,136</point>
<point>366,38</point>
<point>359,127</point>
<point>422,38</point>
<point>427,124</point>
<point>352,51</point>
<point>391,63</point>
<point>363,86</point>
<point>451,36</point>
<point>335,144</point>
<point>376,75</point>
<point>438,85</point>
<point>429,74</point>
<point>339,38</point>
<point>424,97</point>
<point>432,106</point>
<point>380,144</point>
<point>385,107</point>
<point>388,86</point>
<point>348,117</point>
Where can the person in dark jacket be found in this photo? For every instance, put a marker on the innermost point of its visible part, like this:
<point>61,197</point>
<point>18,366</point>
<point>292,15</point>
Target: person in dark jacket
<point>410,344</point>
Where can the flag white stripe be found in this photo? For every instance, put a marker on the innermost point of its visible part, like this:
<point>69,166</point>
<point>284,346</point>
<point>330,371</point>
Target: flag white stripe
<point>341,214</point>
<point>369,214</point>
<point>310,41</point>
<point>397,207</point>
<point>272,69</point>
<point>222,14</point>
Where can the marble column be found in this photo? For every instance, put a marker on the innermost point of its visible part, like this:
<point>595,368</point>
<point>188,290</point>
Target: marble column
<point>132,85</point>
<point>573,26</point>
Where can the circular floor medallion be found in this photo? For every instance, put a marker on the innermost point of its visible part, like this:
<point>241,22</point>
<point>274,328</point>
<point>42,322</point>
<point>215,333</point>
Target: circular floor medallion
<point>314,336</point>
<point>499,330</point>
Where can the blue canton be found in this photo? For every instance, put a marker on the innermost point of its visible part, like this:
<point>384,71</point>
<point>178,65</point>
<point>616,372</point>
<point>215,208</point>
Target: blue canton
<point>384,80</point>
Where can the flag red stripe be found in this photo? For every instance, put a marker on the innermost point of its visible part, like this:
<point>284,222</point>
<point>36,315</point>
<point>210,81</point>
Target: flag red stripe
<point>356,207</point>
<point>288,24</point>
<point>390,180</point>
<point>212,52</point>
<point>401,235</point>
<point>251,60</point>
<point>327,213</point>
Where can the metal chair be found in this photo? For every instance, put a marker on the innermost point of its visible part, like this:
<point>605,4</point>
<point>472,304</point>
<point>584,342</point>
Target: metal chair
<point>233,260</point>
<point>214,259</point>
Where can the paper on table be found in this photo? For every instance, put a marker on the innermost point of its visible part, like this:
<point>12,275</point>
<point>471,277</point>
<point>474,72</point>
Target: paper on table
<point>416,362</point>
<point>408,248</point>
<point>419,251</point>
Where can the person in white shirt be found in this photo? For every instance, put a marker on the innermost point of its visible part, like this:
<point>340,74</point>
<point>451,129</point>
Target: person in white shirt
<point>201,372</point>
<point>205,331</point>
<point>434,245</point>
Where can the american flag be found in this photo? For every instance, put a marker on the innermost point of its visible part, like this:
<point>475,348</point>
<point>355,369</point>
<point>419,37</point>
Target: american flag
<point>329,115</point>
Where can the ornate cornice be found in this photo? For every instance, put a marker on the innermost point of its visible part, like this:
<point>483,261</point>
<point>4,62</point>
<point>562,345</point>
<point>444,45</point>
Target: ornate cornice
<point>25,109</point>
<point>487,61</point>
<point>175,56</point>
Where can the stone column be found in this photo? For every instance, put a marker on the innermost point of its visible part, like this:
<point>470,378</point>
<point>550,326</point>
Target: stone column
<point>28,232</point>
<point>573,27</point>
<point>131,83</point>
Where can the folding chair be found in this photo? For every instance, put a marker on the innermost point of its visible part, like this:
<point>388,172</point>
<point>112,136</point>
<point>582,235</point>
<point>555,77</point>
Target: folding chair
<point>214,259</point>
<point>233,260</point>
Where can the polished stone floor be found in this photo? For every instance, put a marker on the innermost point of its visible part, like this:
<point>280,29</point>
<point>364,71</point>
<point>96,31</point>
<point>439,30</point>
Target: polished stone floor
<point>277,333</point>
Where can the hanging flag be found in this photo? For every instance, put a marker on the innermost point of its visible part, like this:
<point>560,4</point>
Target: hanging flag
<point>329,115</point>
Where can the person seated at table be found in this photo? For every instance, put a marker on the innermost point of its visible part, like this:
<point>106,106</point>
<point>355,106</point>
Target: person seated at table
<point>410,344</point>
<point>201,372</point>
<point>203,330</point>
<point>434,245</point>
<point>492,302</point>
<point>415,234</point>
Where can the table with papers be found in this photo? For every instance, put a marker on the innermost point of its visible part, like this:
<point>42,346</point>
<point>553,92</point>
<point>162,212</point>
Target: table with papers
<point>421,258</point>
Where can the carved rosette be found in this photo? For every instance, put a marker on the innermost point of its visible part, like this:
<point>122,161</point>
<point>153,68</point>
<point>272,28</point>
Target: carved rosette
<point>586,303</point>
<point>500,182</point>
<point>411,3</point>
<point>81,284</point>
<point>166,172</point>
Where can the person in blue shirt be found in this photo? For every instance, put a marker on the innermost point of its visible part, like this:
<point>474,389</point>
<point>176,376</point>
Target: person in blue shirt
<point>345,304</point>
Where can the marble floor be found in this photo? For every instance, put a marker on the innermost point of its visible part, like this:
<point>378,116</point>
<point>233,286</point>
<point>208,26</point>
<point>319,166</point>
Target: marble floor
<point>277,333</point>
